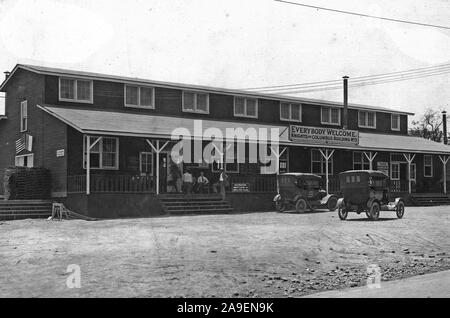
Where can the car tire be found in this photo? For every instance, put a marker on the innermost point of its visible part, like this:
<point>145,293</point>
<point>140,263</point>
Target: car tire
<point>332,204</point>
<point>301,206</point>
<point>280,206</point>
<point>375,211</point>
<point>342,213</point>
<point>400,209</point>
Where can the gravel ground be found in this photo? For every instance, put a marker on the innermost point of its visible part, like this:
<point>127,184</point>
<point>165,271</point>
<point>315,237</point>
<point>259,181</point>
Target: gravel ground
<point>240,255</point>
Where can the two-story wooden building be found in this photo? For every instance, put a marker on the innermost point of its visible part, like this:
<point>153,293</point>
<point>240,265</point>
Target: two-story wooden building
<point>107,139</point>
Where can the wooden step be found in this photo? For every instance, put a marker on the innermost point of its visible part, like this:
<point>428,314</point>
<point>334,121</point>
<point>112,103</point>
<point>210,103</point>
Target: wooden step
<point>196,211</point>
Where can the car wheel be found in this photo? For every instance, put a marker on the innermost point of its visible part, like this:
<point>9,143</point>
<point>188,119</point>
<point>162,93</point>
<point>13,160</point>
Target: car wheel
<point>332,204</point>
<point>343,213</point>
<point>375,211</point>
<point>280,206</point>
<point>301,206</point>
<point>400,209</point>
<point>368,215</point>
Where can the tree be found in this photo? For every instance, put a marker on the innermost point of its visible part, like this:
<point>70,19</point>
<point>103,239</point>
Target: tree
<point>428,126</point>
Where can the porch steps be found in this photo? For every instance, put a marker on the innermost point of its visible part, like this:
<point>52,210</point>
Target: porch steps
<point>430,199</point>
<point>24,209</point>
<point>175,204</point>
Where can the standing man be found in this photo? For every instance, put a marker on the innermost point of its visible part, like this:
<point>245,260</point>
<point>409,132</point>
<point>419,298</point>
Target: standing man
<point>223,183</point>
<point>187,182</point>
<point>202,182</point>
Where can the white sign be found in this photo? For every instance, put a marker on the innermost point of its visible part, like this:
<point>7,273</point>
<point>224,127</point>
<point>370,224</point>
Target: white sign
<point>321,135</point>
<point>383,167</point>
<point>60,153</point>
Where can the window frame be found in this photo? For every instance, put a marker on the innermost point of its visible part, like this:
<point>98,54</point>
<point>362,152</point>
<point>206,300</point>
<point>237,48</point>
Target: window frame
<point>425,166</point>
<point>29,155</point>
<point>23,119</point>
<point>398,122</point>
<point>362,162</point>
<point>140,162</point>
<point>329,116</point>
<point>75,90</point>
<point>396,163</point>
<point>101,167</point>
<point>415,172</point>
<point>366,119</point>
<point>195,110</point>
<point>290,119</point>
<point>245,115</point>
<point>139,87</point>
<point>322,163</point>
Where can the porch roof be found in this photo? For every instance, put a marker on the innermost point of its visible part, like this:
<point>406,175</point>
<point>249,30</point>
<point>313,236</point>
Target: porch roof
<point>98,122</point>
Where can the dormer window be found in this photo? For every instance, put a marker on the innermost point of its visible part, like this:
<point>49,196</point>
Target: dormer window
<point>290,112</point>
<point>139,96</point>
<point>367,119</point>
<point>75,90</point>
<point>330,116</point>
<point>395,122</point>
<point>195,102</point>
<point>245,107</point>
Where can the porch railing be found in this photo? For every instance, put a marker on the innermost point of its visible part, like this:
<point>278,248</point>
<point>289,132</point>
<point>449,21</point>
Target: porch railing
<point>401,186</point>
<point>111,184</point>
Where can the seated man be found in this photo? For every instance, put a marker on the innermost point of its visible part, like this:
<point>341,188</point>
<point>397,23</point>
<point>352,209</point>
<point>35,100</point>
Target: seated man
<point>202,183</point>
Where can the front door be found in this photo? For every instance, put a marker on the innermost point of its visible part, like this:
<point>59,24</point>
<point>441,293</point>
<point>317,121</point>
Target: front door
<point>163,172</point>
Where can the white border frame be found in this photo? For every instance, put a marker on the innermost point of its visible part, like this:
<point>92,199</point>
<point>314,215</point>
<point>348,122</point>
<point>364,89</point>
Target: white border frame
<point>424,165</point>
<point>398,122</point>
<point>366,119</point>
<point>101,153</point>
<point>329,117</point>
<point>138,97</point>
<point>26,155</point>
<point>415,171</point>
<point>151,153</point>
<point>245,107</point>
<point>392,163</point>
<point>22,129</point>
<point>195,110</point>
<point>75,85</point>
<point>290,119</point>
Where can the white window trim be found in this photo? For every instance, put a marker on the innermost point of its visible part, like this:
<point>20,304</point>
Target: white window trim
<point>101,154</point>
<point>245,107</point>
<point>424,165</point>
<point>75,90</point>
<point>196,110</point>
<point>366,119</point>
<point>329,117</point>
<point>290,119</point>
<point>140,161</point>
<point>31,155</point>
<point>152,106</point>
<point>392,170</point>
<point>398,122</point>
<point>22,117</point>
<point>322,161</point>
<point>415,172</point>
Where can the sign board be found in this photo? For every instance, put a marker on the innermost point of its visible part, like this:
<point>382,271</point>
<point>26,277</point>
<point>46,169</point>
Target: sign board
<point>240,187</point>
<point>60,153</point>
<point>383,167</point>
<point>322,135</point>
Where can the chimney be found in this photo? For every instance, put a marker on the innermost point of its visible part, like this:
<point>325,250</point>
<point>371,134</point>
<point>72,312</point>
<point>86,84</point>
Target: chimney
<point>345,122</point>
<point>7,73</point>
<point>444,126</point>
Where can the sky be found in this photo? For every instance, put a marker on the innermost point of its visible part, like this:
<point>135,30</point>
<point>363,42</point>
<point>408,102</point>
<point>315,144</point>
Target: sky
<point>237,43</point>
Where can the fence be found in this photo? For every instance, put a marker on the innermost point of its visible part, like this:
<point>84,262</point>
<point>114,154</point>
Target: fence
<point>111,184</point>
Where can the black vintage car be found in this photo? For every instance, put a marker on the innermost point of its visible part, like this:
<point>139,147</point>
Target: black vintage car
<point>367,191</point>
<point>304,191</point>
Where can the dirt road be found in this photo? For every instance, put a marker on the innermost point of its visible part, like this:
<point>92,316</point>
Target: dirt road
<point>242,255</point>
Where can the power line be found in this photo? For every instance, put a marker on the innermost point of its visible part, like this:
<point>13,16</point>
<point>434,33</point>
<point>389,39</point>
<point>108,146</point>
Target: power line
<point>416,71</point>
<point>366,15</point>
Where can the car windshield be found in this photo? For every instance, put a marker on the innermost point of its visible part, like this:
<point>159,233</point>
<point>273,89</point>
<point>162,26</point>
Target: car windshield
<point>311,183</point>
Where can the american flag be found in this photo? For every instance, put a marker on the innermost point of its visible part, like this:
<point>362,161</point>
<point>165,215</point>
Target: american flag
<point>21,144</point>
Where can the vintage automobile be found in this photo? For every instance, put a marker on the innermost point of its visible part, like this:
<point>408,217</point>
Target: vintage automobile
<point>302,190</point>
<point>367,191</point>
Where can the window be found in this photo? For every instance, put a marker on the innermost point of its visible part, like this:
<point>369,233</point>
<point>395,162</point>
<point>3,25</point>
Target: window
<point>139,96</point>
<point>75,90</point>
<point>395,170</point>
<point>360,161</point>
<point>395,122</point>
<point>23,116</point>
<point>245,107</point>
<point>25,161</point>
<point>146,163</point>
<point>427,166</point>
<point>228,166</point>
<point>412,175</point>
<point>195,102</point>
<point>367,119</point>
<point>330,116</point>
<point>104,154</point>
<point>290,112</point>
<point>318,163</point>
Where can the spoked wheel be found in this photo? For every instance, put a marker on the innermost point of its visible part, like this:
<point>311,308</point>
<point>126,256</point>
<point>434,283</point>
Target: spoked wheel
<point>301,206</point>
<point>332,204</point>
<point>343,213</point>
<point>280,206</point>
<point>400,210</point>
<point>375,211</point>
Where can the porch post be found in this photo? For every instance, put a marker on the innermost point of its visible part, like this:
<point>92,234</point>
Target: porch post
<point>88,165</point>
<point>327,157</point>
<point>278,154</point>
<point>444,161</point>
<point>370,157</point>
<point>409,159</point>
